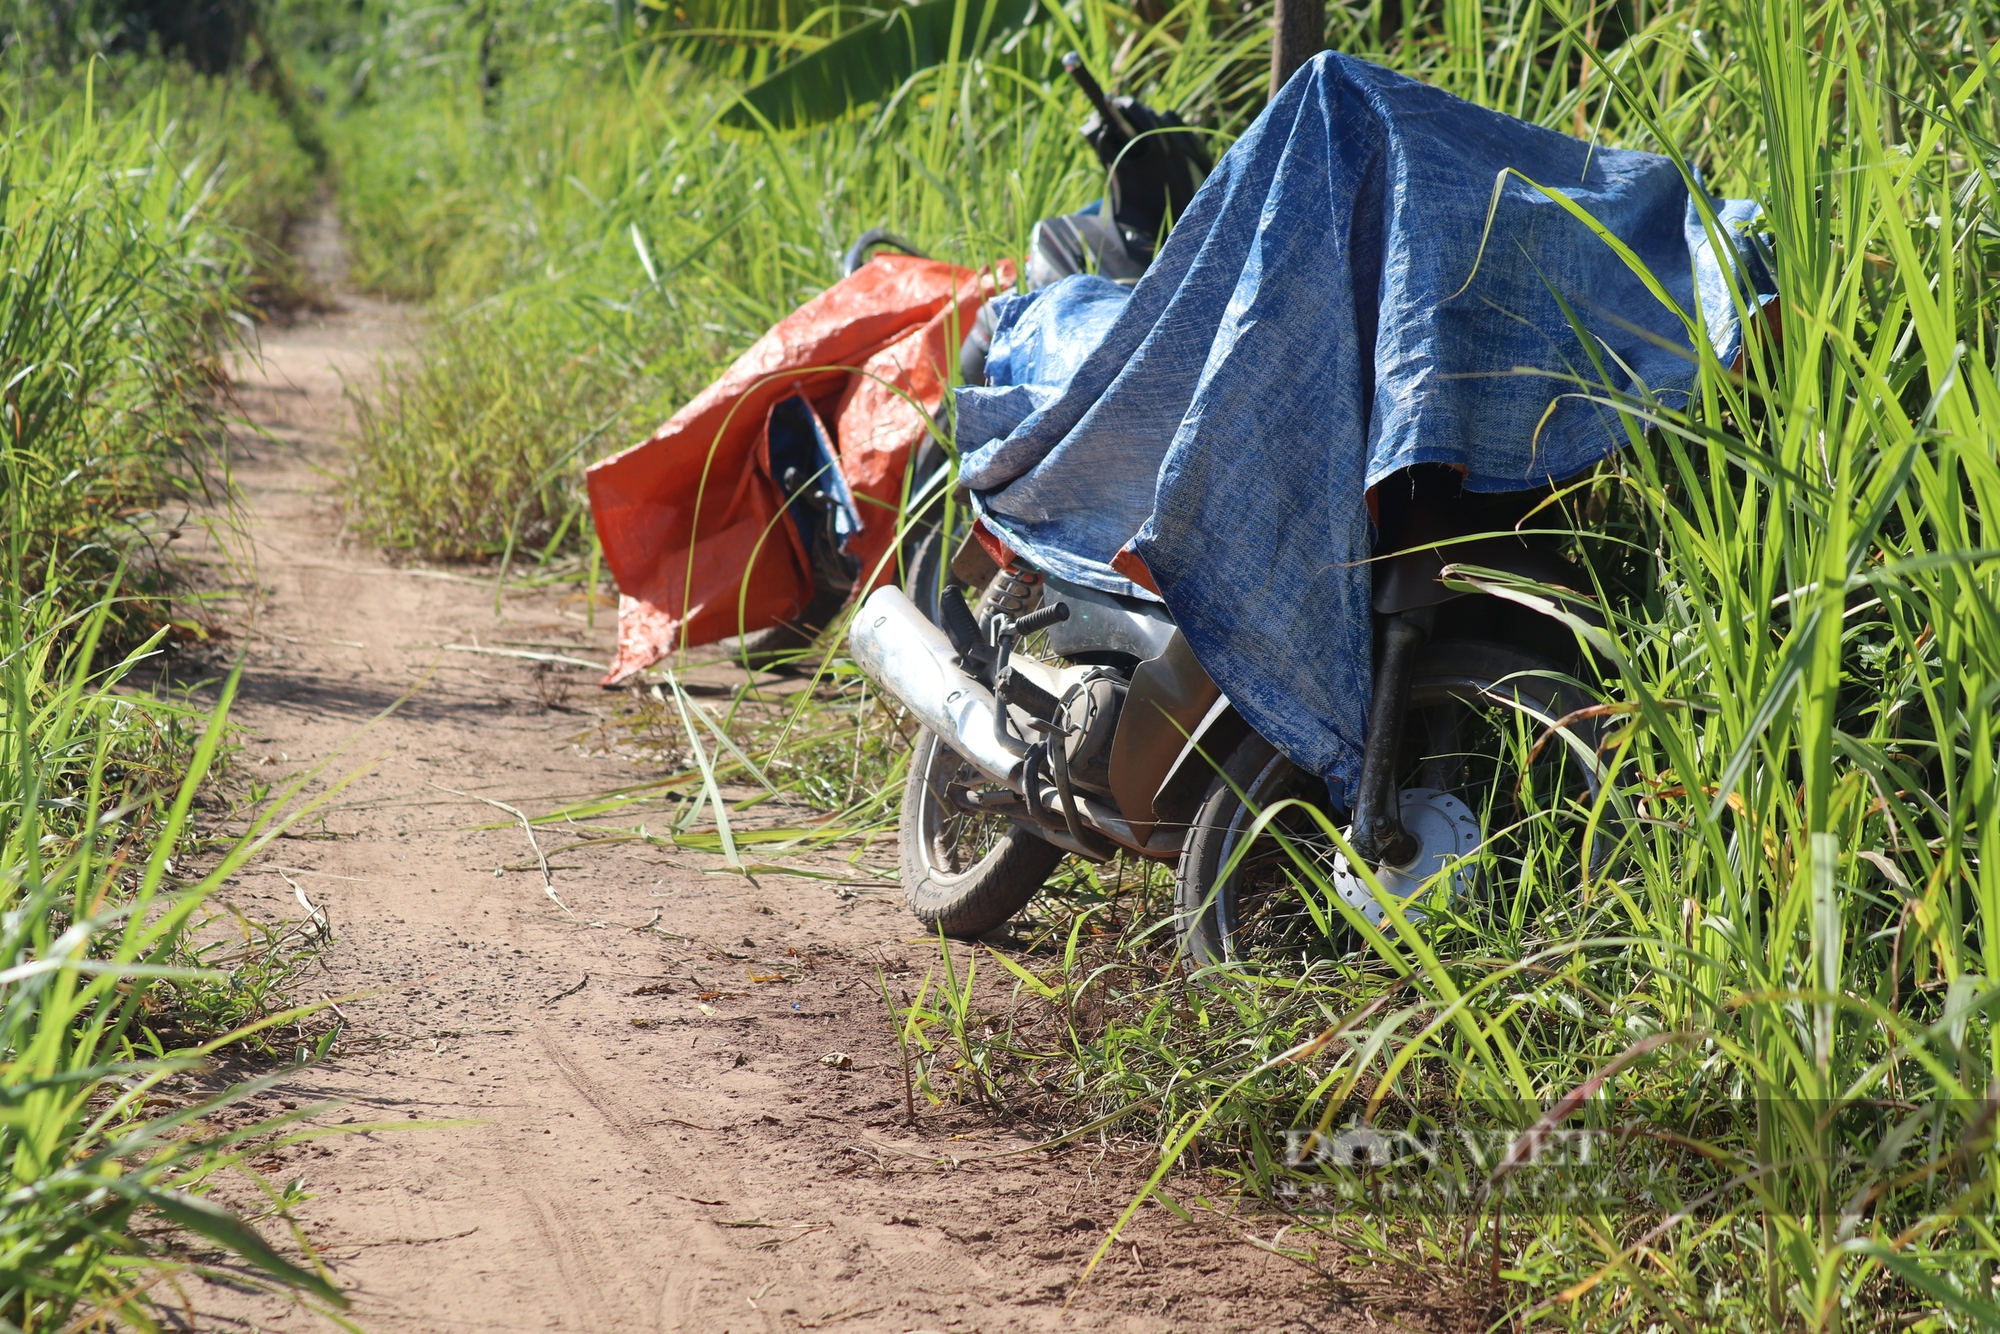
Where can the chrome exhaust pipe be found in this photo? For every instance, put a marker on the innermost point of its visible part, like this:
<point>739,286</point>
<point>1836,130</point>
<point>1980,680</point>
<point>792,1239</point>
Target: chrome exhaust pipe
<point>913,662</point>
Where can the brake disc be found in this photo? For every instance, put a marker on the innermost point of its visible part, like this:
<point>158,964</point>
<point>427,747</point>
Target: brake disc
<point>1446,832</point>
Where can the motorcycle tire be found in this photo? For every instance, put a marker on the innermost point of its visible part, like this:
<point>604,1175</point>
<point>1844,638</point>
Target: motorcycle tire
<point>929,544</point>
<point>1215,922</point>
<point>925,570</point>
<point>963,872</point>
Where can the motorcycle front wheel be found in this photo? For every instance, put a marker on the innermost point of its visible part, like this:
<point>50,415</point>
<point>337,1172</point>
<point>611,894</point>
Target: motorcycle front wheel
<point>963,871</point>
<point>1468,734</point>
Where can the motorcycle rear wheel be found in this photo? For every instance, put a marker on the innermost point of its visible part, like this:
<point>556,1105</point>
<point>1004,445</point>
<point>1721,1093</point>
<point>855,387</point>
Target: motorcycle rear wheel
<point>1256,916</point>
<point>930,542</point>
<point>964,872</point>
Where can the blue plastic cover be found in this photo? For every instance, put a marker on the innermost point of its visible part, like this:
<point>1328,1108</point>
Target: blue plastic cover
<point>1333,308</point>
<point>798,440</point>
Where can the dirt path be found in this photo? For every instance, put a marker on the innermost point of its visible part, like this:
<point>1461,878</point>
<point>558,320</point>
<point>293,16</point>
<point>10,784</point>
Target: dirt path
<point>632,1156</point>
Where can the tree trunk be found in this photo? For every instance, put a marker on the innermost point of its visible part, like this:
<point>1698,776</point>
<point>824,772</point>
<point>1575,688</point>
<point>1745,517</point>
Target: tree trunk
<point>1298,36</point>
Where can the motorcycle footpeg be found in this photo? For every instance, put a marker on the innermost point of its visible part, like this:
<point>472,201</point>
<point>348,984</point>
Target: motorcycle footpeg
<point>1042,620</point>
<point>1024,694</point>
<point>1008,804</point>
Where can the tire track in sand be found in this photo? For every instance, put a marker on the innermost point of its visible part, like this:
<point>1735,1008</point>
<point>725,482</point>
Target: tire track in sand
<point>700,1257</point>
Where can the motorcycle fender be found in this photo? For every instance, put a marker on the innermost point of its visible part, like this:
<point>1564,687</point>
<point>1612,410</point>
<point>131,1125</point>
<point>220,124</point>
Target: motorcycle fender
<point>1200,760</point>
<point>1411,579</point>
<point>972,563</point>
<point>1169,697</point>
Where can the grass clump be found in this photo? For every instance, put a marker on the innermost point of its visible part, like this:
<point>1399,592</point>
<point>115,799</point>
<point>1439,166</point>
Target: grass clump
<point>129,252</point>
<point>110,1160</point>
<point>471,449</point>
<point>126,269</point>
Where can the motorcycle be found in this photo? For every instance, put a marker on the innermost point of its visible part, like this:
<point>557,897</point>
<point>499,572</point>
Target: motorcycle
<point>1063,720</point>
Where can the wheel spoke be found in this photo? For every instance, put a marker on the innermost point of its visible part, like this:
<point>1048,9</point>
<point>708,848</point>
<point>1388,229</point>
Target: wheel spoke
<point>959,837</point>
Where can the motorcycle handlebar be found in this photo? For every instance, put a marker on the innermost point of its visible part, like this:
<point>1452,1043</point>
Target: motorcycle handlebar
<point>857,254</point>
<point>1073,65</point>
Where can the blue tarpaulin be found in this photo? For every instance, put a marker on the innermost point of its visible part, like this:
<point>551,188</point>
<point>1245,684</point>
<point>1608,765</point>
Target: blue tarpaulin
<point>1334,307</point>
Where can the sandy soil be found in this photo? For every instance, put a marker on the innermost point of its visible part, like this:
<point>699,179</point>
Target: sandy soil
<point>628,1154</point>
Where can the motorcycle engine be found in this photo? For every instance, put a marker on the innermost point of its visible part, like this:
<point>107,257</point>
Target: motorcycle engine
<point>1090,711</point>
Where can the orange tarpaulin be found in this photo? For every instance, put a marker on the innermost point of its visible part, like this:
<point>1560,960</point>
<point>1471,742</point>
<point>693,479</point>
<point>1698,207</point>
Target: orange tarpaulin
<point>692,522</point>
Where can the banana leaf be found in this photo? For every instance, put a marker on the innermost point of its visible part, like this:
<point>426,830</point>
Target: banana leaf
<point>743,39</point>
<point>872,61</point>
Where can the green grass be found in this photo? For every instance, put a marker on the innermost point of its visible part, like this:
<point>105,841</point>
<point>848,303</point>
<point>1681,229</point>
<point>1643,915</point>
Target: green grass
<point>109,1161</point>
<point>140,213</point>
<point>135,211</point>
<point>1789,961</point>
